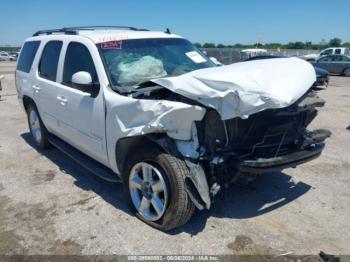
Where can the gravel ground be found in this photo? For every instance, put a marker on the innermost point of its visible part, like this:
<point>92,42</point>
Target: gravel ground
<point>51,205</point>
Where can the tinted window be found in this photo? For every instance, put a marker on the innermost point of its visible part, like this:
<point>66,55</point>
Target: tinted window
<point>342,58</point>
<point>337,51</point>
<point>27,56</point>
<point>325,59</point>
<point>49,60</point>
<point>77,59</point>
<point>327,52</point>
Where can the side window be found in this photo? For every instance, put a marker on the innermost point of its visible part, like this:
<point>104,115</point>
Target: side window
<point>27,55</point>
<point>49,60</point>
<point>327,52</point>
<point>336,58</point>
<point>344,58</point>
<point>78,58</point>
<point>340,58</point>
<point>325,59</point>
<point>337,51</point>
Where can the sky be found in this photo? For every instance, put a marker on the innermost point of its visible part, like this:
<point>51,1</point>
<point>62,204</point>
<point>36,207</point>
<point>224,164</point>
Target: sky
<point>226,22</point>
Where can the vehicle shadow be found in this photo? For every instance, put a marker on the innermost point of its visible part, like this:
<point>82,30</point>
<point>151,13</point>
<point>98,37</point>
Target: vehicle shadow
<point>267,193</point>
<point>112,193</point>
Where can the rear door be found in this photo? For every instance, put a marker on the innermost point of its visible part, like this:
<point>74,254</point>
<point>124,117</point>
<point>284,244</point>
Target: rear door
<point>45,85</point>
<point>342,62</point>
<point>81,115</point>
<point>24,69</point>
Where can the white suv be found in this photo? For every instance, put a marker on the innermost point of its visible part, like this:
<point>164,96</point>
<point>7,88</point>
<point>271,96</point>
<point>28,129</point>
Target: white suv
<point>150,110</point>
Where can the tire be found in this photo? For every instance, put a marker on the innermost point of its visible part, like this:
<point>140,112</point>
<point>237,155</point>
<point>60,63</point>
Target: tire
<point>168,172</point>
<point>347,72</point>
<point>37,129</point>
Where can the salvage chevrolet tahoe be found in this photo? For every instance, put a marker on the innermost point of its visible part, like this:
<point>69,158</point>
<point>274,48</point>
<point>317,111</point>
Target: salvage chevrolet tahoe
<point>150,110</point>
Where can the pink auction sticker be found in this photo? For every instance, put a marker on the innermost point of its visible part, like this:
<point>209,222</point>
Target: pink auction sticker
<point>112,45</point>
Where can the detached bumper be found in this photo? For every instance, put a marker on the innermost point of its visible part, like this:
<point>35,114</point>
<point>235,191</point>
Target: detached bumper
<point>265,165</point>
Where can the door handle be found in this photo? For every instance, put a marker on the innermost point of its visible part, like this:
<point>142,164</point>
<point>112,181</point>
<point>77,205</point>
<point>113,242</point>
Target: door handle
<point>62,99</point>
<point>36,88</point>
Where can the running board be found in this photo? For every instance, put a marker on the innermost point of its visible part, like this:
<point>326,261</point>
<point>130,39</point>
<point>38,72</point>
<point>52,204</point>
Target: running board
<point>87,162</point>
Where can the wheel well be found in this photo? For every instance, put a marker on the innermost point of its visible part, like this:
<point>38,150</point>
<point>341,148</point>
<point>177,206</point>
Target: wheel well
<point>27,101</point>
<point>128,145</point>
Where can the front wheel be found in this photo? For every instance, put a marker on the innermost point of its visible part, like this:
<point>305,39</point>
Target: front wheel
<point>155,189</point>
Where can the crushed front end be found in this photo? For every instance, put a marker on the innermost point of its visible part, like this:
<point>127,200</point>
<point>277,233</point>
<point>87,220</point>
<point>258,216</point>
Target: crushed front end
<point>268,141</point>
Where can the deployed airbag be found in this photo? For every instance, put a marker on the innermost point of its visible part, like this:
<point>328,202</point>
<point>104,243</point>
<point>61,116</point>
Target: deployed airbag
<point>147,67</point>
<point>242,89</point>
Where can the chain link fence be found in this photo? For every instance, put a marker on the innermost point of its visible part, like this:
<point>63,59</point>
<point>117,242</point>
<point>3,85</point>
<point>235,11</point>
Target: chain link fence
<point>233,55</point>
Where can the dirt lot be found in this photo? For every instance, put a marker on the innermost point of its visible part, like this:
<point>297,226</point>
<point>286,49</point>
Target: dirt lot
<point>50,205</point>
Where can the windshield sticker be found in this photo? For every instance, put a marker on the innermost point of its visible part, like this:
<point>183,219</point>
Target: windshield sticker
<point>196,57</point>
<point>112,45</point>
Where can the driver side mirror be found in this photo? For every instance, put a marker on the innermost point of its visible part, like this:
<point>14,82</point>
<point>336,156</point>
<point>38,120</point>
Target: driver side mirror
<point>83,81</point>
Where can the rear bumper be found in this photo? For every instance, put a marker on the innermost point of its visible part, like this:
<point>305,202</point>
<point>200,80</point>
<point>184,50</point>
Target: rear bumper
<point>274,164</point>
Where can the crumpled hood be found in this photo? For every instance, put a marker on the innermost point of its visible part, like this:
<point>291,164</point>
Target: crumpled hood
<point>242,89</point>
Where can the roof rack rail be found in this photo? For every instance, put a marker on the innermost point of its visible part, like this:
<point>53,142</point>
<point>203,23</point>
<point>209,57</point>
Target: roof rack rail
<point>73,30</point>
<point>52,31</point>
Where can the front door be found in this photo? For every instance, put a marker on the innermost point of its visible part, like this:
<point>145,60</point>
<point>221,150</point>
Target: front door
<point>81,115</point>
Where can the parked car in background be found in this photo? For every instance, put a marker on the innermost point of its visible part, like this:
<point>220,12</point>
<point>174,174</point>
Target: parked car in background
<point>13,56</point>
<point>322,75</point>
<point>334,64</point>
<point>328,51</point>
<point>4,56</point>
<point>252,52</point>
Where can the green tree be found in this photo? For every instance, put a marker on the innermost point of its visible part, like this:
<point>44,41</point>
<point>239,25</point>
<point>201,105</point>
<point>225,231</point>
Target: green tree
<point>198,45</point>
<point>308,44</point>
<point>335,42</point>
<point>238,45</point>
<point>220,46</point>
<point>209,45</point>
<point>272,45</point>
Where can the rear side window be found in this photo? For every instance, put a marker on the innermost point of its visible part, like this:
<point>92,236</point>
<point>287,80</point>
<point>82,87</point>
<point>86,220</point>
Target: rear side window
<point>49,60</point>
<point>337,51</point>
<point>27,56</point>
<point>343,58</point>
<point>78,58</point>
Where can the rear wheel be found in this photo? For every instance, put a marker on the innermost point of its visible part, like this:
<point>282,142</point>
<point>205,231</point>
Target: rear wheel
<point>347,72</point>
<point>37,128</point>
<point>155,189</point>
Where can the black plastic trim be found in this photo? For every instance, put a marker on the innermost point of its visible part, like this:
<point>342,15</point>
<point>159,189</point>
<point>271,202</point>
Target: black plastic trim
<point>264,165</point>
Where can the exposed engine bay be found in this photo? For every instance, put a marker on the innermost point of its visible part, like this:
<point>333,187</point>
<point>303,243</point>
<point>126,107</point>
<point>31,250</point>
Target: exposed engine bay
<point>267,141</point>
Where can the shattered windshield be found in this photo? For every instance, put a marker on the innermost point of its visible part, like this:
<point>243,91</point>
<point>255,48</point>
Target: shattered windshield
<point>131,62</point>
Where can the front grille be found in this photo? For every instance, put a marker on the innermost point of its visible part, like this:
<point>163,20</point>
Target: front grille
<point>265,134</point>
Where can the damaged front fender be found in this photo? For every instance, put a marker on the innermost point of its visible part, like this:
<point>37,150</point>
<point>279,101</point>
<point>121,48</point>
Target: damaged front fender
<point>127,117</point>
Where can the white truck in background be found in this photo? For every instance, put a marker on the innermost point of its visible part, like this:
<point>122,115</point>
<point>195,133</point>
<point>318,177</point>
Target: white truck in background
<point>327,51</point>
